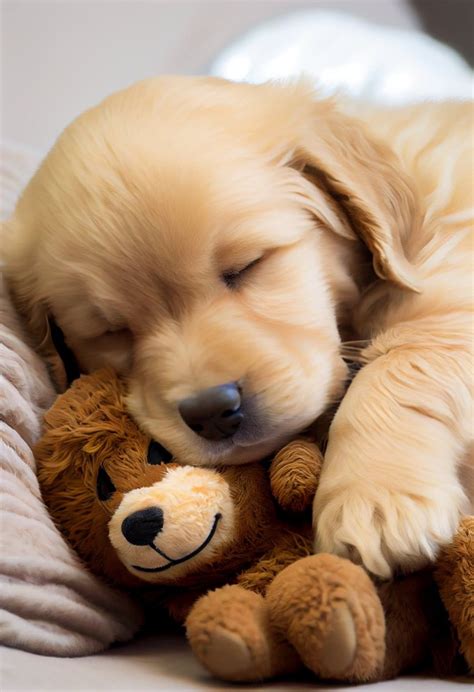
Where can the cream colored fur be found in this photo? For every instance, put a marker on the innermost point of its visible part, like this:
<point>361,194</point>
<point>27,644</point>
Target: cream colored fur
<point>124,234</point>
<point>390,485</point>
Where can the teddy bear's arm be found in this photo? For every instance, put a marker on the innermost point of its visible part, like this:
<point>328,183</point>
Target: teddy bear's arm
<point>294,474</point>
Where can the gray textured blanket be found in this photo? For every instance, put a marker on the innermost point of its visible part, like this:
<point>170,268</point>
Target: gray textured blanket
<point>49,603</point>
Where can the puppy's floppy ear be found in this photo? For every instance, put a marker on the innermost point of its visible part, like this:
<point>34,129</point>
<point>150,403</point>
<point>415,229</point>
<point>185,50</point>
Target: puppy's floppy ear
<point>67,367</point>
<point>48,340</point>
<point>362,187</point>
<point>42,332</point>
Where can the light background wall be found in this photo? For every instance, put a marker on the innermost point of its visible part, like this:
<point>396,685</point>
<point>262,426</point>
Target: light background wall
<point>60,57</point>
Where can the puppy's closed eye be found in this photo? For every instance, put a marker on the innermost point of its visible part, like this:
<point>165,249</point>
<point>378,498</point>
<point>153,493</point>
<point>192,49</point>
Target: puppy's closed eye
<point>233,277</point>
<point>116,331</point>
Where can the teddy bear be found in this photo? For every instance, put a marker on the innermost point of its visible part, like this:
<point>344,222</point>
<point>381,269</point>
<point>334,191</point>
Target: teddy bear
<point>227,551</point>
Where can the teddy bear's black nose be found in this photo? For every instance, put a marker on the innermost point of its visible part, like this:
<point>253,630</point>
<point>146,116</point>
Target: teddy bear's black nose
<point>140,528</point>
<point>213,413</point>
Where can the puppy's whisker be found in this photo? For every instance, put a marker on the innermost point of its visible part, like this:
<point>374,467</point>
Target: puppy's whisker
<point>356,345</point>
<point>351,351</point>
<point>356,358</point>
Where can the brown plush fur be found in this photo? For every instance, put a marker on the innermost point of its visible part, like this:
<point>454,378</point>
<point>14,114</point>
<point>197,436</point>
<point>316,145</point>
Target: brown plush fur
<point>455,578</point>
<point>295,473</point>
<point>276,607</point>
<point>89,427</point>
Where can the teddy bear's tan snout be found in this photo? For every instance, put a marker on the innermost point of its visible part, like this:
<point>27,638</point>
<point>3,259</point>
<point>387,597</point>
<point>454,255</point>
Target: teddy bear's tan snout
<point>169,529</point>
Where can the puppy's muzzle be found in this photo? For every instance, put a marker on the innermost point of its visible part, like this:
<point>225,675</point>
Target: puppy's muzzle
<point>213,413</point>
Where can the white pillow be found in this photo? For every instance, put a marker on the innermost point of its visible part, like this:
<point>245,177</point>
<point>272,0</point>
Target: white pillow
<point>348,55</point>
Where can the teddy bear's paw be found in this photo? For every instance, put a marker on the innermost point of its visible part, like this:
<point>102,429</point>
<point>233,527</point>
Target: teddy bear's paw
<point>329,610</point>
<point>385,529</point>
<point>229,633</point>
<point>228,656</point>
<point>294,474</point>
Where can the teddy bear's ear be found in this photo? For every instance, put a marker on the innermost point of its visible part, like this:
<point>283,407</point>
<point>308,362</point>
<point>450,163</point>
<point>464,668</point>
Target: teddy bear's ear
<point>78,421</point>
<point>87,396</point>
<point>294,475</point>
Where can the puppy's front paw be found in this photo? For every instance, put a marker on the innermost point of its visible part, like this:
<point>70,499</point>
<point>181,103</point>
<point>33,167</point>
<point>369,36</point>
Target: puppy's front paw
<point>385,529</point>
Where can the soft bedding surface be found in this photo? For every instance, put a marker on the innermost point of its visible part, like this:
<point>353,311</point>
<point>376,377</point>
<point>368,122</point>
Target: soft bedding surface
<point>49,603</point>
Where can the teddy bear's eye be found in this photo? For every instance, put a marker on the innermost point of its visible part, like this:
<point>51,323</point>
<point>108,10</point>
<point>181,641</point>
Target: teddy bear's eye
<point>157,454</point>
<point>105,487</point>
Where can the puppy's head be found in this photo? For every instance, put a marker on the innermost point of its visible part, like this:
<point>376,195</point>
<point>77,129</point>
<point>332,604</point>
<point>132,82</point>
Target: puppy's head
<point>201,237</point>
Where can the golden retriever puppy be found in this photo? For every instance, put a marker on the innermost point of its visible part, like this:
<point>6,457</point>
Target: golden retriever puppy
<point>214,240</point>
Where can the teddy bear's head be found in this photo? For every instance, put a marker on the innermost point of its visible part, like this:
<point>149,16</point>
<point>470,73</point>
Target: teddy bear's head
<point>130,510</point>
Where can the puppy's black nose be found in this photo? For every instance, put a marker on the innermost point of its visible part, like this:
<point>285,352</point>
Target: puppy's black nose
<point>213,413</point>
<point>140,528</point>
